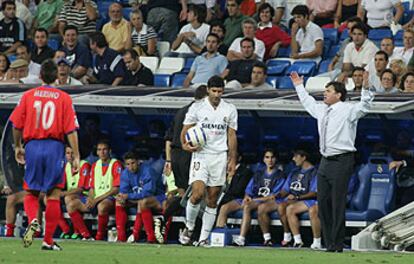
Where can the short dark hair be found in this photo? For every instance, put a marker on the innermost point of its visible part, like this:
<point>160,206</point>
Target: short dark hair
<point>307,150</point>
<point>300,10</point>
<point>272,150</point>
<point>200,12</point>
<point>265,6</point>
<point>391,38</point>
<point>200,92</point>
<point>130,155</point>
<point>213,35</point>
<point>261,65</point>
<point>104,141</point>
<point>70,27</point>
<point>7,61</point>
<point>215,81</point>
<point>25,47</point>
<point>394,77</point>
<point>5,3</point>
<point>339,88</point>
<point>98,38</point>
<point>405,76</point>
<point>48,71</point>
<point>354,19</point>
<point>362,27</point>
<point>358,68</point>
<point>41,30</point>
<point>249,40</point>
<point>133,53</point>
<point>217,23</point>
<point>381,52</point>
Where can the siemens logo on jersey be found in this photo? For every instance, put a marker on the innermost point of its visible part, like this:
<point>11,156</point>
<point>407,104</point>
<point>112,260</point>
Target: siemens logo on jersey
<point>213,126</point>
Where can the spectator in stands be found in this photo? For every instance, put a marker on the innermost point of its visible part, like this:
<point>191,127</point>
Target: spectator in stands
<point>41,51</point>
<point>322,11</point>
<point>307,37</point>
<point>22,52</point>
<point>136,74</point>
<point>104,186</point>
<point>233,23</point>
<point>281,14</point>
<point>77,54</point>
<point>398,67</point>
<point>207,64</point>
<point>209,5</point>
<point>19,73</point>
<point>407,83</point>
<point>4,66</point>
<point>164,16</point>
<point>117,31</point>
<point>262,188</point>
<point>218,28</point>
<point>387,45</point>
<point>388,82</point>
<point>46,13</point>
<point>259,74</point>
<point>63,73</point>
<point>192,37</point>
<point>358,78</point>
<point>345,10</point>
<point>238,72</point>
<point>144,37</point>
<point>381,62</point>
<point>249,31</point>
<point>380,13</point>
<point>59,54</point>
<point>109,67</point>
<point>82,14</point>
<point>271,35</point>
<point>407,51</point>
<point>357,53</point>
<point>297,196</point>
<point>23,13</point>
<point>13,31</point>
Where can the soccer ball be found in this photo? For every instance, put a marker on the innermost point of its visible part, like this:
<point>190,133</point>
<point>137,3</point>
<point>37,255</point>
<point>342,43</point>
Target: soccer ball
<point>196,137</point>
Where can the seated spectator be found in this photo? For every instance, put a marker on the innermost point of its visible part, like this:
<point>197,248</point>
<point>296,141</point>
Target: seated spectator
<point>46,13</point>
<point>19,73</point>
<point>380,62</point>
<point>117,31</point>
<point>207,64</point>
<point>209,5</point>
<point>297,196</point>
<point>358,78</point>
<point>22,52</point>
<point>238,72</point>
<point>259,74</point>
<point>59,54</point>
<point>406,52</point>
<point>4,66</point>
<point>233,22</point>
<point>144,37</point>
<point>81,14</point>
<point>13,31</point>
<point>41,51</point>
<point>192,37</point>
<point>398,67</point>
<point>77,54</point>
<point>21,12</point>
<point>249,31</point>
<point>407,83</point>
<point>142,188</point>
<point>388,82</point>
<point>272,36</point>
<point>136,73</point>
<point>218,28</point>
<point>109,67</point>
<point>63,73</point>
<point>380,13</point>
<point>345,10</point>
<point>322,12</point>
<point>262,188</point>
<point>307,37</point>
<point>387,45</point>
<point>281,17</point>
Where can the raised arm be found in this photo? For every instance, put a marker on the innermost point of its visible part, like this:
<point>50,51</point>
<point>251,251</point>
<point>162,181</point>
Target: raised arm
<point>360,109</point>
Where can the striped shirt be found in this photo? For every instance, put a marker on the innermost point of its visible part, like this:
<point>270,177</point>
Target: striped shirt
<point>77,17</point>
<point>141,38</point>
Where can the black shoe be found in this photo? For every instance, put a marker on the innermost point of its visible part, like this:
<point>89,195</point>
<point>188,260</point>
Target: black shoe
<point>54,246</point>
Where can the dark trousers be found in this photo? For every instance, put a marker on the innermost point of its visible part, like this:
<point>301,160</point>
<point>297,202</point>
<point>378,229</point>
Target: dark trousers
<point>333,177</point>
<point>180,162</point>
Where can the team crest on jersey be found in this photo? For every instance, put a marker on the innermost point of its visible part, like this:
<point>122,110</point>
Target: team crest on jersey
<point>85,172</point>
<point>196,165</point>
<point>119,170</point>
<point>297,186</point>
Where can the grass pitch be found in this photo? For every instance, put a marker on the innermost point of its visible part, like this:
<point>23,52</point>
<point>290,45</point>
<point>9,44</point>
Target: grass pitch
<point>74,252</point>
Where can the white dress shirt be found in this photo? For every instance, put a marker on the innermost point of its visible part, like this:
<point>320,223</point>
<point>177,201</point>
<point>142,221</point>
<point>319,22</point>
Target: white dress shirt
<point>342,122</point>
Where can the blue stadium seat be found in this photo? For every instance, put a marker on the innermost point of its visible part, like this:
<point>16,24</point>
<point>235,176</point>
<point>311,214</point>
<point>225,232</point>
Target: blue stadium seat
<point>11,58</point>
<point>187,65</point>
<point>285,83</point>
<point>344,34</point>
<point>272,80</point>
<point>399,43</point>
<point>379,34</point>
<point>333,50</point>
<point>399,35</point>
<point>53,43</point>
<point>126,11</point>
<point>277,67</point>
<point>305,68</point>
<point>330,34</point>
<point>326,48</point>
<point>162,80</point>
<point>283,52</point>
<point>178,80</point>
<point>323,66</point>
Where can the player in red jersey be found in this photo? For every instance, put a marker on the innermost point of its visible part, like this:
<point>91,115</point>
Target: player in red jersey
<point>41,119</point>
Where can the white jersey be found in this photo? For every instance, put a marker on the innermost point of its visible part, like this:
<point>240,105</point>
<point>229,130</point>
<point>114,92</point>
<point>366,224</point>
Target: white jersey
<point>214,123</point>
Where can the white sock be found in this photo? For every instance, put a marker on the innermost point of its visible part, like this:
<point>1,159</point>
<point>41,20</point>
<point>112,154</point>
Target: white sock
<point>209,217</point>
<point>317,241</point>
<point>287,236</point>
<point>191,214</point>
<point>297,238</point>
<point>266,236</point>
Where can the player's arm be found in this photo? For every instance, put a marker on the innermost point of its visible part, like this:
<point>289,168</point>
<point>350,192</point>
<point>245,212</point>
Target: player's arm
<point>167,165</point>
<point>73,142</point>
<point>232,159</point>
<point>18,147</point>
<point>186,145</point>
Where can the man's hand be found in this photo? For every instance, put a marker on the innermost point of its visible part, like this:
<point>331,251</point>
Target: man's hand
<point>183,15</point>
<point>296,80</point>
<point>121,198</point>
<point>365,82</point>
<point>187,147</point>
<point>395,165</point>
<point>294,29</point>
<point>167,168</point>
<point>6,190</point>
<point>90,203</point>
<point>19,155</point>
<point>75,165</point>
<point>231,168</point>
<point>246,200</point>
<point>342,78</point>
<point>291,197</point>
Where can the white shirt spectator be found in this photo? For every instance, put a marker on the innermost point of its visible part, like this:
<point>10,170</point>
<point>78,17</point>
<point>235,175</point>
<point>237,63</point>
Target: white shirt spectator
<point>405,54</point>
<point>207,3</point>
<point>199,40</point>
<point>362,56</point>
<point>31,79</point>
<point>379,12</point>
<point>306,39</point>
<point>259,47</point>
<point>280,4</point>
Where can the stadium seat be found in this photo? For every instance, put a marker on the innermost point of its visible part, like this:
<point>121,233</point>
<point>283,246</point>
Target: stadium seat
<point>277,67</point>
<point>126,11</point>
<point>379,34</point>
<point>178,80</point>
<point>344,34</point>
<point>150,62</point>
<point>317,84</point>
<point>326,48</point>
<point>187,65</point>
<point>305,68</point>
<point>162,80</point>
<point>399,35</point>
<point>283,52</point>
<point>284,83</point>
<point>272,80</point>
<point>332,51</point>
<point>162,48</point>
<point>323,66</point>
<point>331,34</point>
<point>11,58</point>
<point>53,43</point>
<point>170,65</point>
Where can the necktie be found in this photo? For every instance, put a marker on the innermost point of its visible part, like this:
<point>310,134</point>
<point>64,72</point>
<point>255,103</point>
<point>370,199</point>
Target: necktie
<point>324,129</point>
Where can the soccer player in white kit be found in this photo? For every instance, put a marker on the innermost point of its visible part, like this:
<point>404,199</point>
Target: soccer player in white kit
<point>218,119</point>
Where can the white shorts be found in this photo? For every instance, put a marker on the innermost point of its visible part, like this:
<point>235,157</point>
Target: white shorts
<point>208,168</point>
